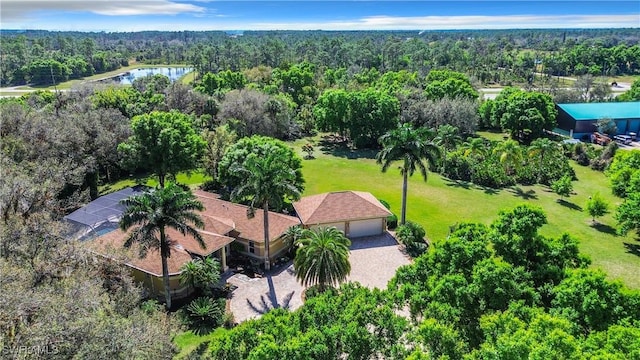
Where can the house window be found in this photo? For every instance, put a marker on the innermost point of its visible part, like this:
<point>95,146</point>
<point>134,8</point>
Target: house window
<point>252,247</point>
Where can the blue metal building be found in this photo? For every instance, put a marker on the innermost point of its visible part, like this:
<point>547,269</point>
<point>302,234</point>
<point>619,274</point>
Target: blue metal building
<point>579,120</point>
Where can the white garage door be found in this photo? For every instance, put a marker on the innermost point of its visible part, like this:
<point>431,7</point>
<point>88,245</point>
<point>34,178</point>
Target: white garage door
<point>340,226</point>
<point>365,228</point>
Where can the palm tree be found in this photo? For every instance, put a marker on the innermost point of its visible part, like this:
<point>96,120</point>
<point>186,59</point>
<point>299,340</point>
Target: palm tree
<point>267,180</point>
<point>447,138</point>
<point>540,148</point>
<point>322,258</point>
<point>201,273</point>
<point>293,234</point>
<point>412,147</point>
<point>510,155</point>
<point>152,213</point>
<point>475,146</point>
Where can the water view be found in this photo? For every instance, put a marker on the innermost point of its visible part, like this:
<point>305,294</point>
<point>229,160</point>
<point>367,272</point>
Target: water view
<point>174,73</point>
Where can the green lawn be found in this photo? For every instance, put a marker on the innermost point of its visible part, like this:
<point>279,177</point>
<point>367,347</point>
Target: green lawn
<point>188,78</point>
<point>188,341</point>
<point>193,179</point>
<point>440,203</point>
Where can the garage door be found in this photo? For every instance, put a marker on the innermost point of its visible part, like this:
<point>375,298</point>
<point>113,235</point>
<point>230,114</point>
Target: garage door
<point>340,226</point>
<point>365,228</point>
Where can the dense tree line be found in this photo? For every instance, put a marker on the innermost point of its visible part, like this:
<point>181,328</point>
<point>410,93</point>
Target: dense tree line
<point>490,56</point>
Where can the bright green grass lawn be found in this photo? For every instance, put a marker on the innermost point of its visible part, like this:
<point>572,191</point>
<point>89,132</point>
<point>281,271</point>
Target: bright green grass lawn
<point>188,341</point>
<point>188,78</point>
<point>440,203</point>
<point>193,179</point>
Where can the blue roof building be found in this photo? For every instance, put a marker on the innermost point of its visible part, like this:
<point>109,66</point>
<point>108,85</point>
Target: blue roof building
<point>579,120</point>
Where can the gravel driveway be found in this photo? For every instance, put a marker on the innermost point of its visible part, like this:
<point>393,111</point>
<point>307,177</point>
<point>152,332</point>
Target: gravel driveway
<point>374,261</point>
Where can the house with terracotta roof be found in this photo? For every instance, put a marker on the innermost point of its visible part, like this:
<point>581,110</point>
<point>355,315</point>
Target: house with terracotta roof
<point>147,270</point>
<point>224,223</point>
<point>249,231</point>
<point>356,213</point>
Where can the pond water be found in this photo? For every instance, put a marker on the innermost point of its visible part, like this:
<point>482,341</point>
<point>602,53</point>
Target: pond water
<point>174,73</point>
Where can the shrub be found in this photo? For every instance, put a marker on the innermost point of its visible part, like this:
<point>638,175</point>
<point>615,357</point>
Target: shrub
<point>392,221</point>
<point>205,314</point>
<point>228,320</point>
<point>151,306</point>
<point>459,166</point>
<point>563,186</point>
<point>605,158</point>
<point>411,235</point>
<point>385,203</point>
<point>491,173</point>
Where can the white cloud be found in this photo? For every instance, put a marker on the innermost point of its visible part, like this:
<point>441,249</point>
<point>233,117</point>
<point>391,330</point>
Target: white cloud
<point>17,10</point>
<point>16,13</point>
<point>462,22</point>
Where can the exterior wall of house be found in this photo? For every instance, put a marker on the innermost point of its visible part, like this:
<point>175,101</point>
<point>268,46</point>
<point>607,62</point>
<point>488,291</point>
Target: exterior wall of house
<point>155,287</point>
<point>363,227</point>
<point>368,227</point>
<point>278,248</point>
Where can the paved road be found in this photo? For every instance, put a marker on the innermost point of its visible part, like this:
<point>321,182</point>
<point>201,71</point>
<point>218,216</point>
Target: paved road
<point>492,93</point>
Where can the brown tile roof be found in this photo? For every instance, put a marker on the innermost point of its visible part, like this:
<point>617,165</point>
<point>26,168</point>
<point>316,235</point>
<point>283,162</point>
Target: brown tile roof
<point>339,206</point>
<point>217,225</point>
<point>250,229</point>
<point>219,217</point>
<point>112,245</point>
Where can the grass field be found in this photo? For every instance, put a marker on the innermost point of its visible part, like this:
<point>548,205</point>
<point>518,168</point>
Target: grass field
<point>188,78</point>
<point>440,203</point>
<point>193,179</point>
<point>188,341</point>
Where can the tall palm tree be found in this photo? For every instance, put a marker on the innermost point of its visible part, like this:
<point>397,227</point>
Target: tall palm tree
<point>152,213</point>
<point>541,148</point>
<point>267,181</point>
<point>416,150</point>
<point>447,138</point>
<point>510,155</point>
<point>322,258</point>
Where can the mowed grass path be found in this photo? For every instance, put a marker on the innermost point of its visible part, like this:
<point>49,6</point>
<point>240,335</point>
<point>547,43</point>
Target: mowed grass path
<point>440,203</point>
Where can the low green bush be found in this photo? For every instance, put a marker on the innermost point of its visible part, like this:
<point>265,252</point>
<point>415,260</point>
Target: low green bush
<point>411,235</point>
<point>392,221</point>
<point>205,314</point>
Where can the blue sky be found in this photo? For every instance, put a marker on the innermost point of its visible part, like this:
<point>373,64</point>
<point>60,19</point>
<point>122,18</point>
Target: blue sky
<point>136,15</point>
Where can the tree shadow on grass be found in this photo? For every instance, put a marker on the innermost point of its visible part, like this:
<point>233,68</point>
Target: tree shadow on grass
<point>632,248</point>
<point>569,205</point>
<point>490,190</point>
<point>339,147</point>
<point>525,195</point>
<point>604,228</point>
<point>458,183</point>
